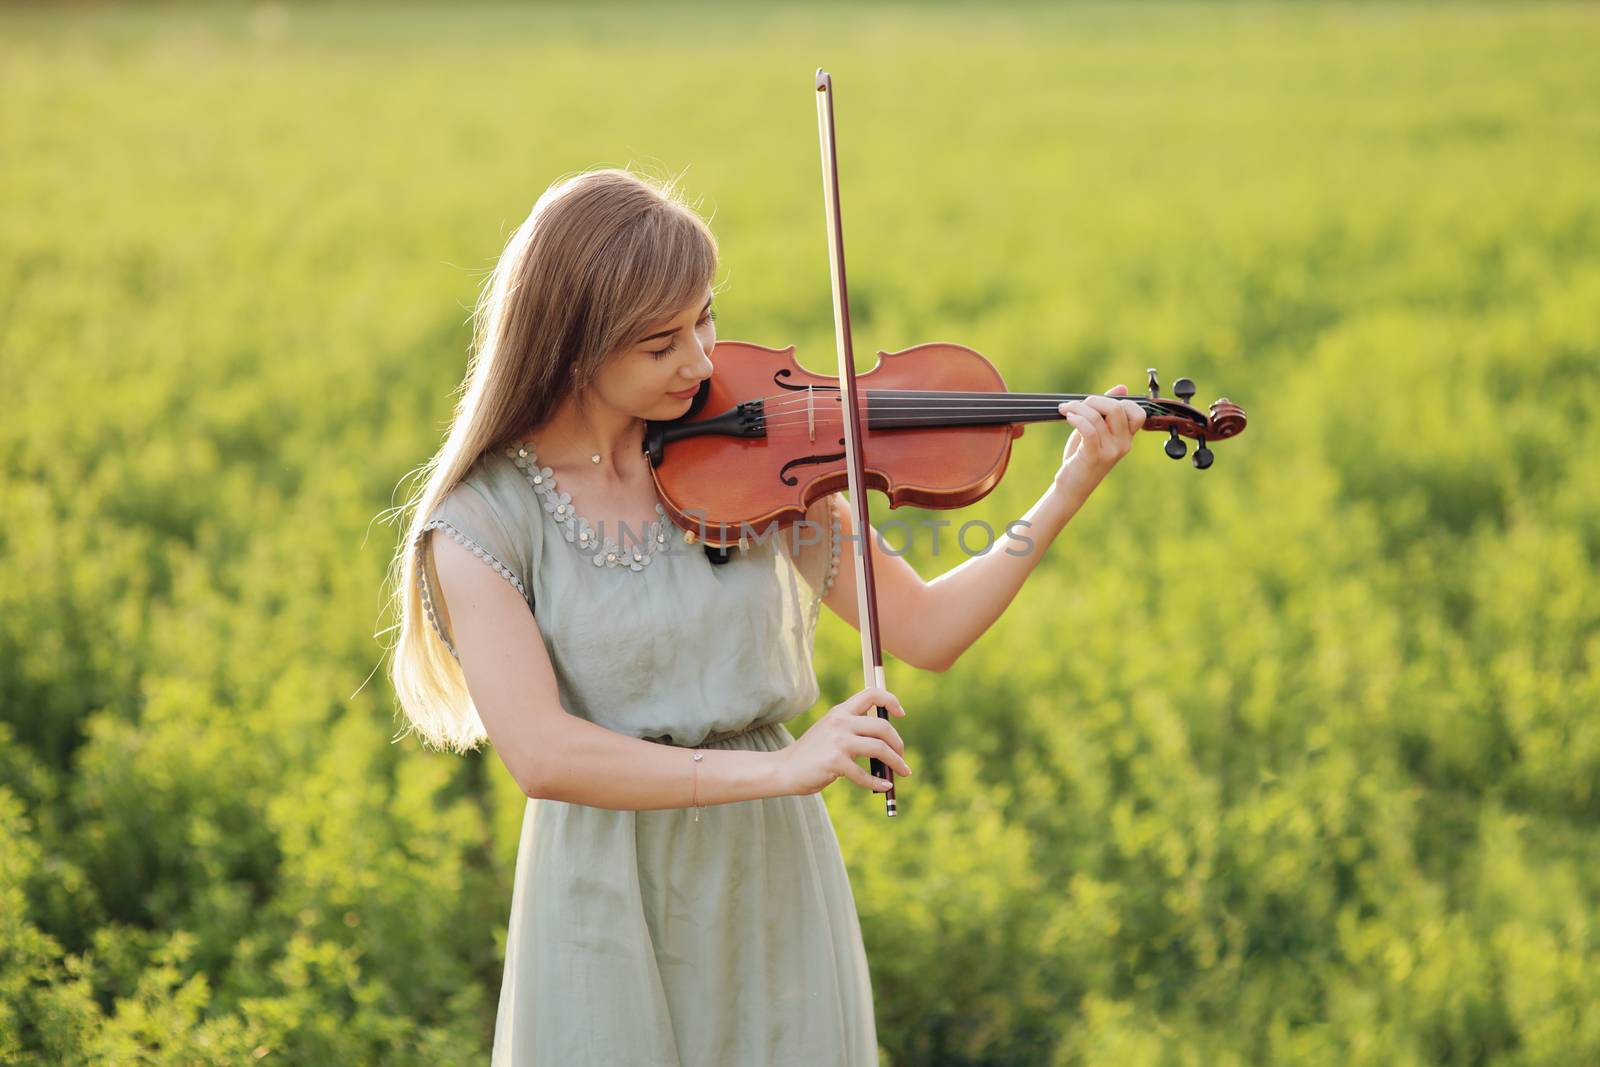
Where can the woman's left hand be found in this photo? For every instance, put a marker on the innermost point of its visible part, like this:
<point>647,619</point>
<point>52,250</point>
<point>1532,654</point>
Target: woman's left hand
<point>1102,433</point>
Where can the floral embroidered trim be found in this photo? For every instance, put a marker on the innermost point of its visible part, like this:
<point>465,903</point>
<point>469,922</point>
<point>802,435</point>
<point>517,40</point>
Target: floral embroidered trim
<point>575,528</point>
<point>477,550</point>
<point>833,563</point>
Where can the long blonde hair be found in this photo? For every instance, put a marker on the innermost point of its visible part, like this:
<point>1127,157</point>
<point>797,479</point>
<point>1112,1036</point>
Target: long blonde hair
<point>603,255</point>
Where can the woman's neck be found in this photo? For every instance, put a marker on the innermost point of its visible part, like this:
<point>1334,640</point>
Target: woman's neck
<point>570,440</point>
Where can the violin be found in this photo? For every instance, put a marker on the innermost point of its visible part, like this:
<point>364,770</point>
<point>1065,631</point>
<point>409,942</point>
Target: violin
<point>929,426</point>
<point>764,437</point>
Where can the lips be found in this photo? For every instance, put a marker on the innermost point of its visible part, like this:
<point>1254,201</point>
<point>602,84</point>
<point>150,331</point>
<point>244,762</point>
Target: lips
<point>687,394</point>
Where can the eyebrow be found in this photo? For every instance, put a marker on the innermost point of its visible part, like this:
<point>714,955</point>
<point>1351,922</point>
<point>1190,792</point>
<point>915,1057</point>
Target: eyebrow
<point>668,333</point>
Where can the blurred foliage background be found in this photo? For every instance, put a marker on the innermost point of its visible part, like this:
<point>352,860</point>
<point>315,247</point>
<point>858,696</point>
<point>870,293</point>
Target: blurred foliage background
<point>1292,761</point>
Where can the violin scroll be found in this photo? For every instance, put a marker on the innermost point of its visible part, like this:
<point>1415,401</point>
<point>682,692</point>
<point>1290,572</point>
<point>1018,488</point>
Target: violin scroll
<point>1180,420</point>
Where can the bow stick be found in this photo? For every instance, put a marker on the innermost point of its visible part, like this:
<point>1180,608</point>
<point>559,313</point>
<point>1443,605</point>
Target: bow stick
<point>866,594</point>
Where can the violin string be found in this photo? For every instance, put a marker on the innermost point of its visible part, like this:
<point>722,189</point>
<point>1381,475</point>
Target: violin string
<point>819,409</point>
<point>913,415</point>
<point>779,400</point>
<point>965,403</point>
<point>878,424</point>
<point>830,394</point>
<point>890,410</point>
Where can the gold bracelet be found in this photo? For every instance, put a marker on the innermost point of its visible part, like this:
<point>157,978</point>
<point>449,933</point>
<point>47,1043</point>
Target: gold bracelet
<point>694,796</point>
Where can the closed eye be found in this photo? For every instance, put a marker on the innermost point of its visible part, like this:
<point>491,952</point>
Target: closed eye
<point>663,353</point>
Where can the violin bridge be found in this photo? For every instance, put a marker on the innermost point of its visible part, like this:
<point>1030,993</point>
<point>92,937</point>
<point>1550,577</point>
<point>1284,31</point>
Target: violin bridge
<point>811,413</point>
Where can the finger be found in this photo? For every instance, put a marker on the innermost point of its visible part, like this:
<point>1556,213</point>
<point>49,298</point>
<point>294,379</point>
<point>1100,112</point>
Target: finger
<point>1127,414</point>
<point>859,775</point>
<point>1094,412</point>
<point>855,703</point>
<point>1116,417</point>
<point>1086,425</point>
<point>874,748</point>
<point>1110,411</point>
<point>876,697</point>
<point>1136,414</point>
<point>1112,442</point>
<point>871,724</point>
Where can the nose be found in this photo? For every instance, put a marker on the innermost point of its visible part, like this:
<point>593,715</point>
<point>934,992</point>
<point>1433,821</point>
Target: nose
<point>702,367</point>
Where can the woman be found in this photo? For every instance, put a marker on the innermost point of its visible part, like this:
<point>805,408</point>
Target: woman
<point>680,898</point>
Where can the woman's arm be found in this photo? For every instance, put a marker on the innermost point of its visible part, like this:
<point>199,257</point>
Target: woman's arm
<point>929,624</point>
<point>550,752</point>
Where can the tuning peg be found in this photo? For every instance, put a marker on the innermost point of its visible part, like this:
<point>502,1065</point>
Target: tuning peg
<point>1175,446</point>
<point>1155,386</point>
<point>1183,388</point>
<point>1202,457</point>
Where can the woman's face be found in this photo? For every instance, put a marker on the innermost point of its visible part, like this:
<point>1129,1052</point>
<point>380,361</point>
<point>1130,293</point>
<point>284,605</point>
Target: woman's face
<point>673,356</point>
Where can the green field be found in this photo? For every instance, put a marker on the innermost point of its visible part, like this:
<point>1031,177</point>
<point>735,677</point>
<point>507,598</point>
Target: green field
<point>1292,761</point>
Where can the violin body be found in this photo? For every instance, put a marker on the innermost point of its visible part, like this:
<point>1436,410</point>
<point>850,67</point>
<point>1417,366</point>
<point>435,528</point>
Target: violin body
<point>740,476</point>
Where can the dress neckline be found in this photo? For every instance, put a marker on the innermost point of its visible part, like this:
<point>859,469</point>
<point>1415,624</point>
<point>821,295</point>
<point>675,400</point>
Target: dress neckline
<point>575,528</point>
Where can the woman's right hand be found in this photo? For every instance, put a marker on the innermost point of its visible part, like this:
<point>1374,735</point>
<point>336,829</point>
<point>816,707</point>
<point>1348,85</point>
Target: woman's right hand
<point>849,730</point>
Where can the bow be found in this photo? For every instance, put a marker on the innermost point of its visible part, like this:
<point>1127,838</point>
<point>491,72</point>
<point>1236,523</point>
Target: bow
<point>866,595</point>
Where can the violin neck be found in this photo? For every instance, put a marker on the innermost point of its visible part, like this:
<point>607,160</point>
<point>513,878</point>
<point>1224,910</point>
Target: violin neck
<point>904,409</point>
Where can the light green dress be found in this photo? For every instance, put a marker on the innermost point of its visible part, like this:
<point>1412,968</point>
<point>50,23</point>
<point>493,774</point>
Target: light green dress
<point>644,937</point>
